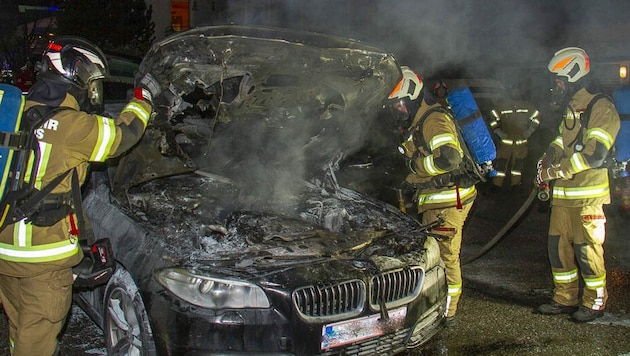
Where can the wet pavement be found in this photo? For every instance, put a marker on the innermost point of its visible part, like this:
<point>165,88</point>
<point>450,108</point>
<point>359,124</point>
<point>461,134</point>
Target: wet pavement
<point>518,266</point>
<point>502,288</point>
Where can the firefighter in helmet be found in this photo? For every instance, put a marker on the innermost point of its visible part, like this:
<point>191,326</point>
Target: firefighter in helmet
<point>433,151</point>
<point>37,253</point>
<point>573,164</point>
<point>513,121</point>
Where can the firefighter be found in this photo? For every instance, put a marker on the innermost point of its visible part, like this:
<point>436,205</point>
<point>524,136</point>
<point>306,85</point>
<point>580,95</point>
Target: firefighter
<point>513,121</point>
<point>36,261</point>
<point>440,92</point>
<point>433,151</point>
<point>573,163</point>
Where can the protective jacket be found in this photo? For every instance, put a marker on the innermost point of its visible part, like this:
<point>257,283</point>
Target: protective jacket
<point>68,140</point>
<point>580,150</point>
<point>513,122</point>
<point>433,149</point>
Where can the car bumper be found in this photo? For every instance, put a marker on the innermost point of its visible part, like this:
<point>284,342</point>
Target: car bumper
<point>180,328</point>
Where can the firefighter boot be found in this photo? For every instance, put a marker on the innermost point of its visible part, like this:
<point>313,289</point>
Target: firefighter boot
<point>585,314</point>
<point>556,308</point>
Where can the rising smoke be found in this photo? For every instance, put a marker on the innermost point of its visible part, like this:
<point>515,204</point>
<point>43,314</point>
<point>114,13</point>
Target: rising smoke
<point>474,38</point>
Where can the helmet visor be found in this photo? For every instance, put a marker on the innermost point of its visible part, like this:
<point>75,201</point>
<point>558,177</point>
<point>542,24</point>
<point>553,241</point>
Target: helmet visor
<point>399,110</point>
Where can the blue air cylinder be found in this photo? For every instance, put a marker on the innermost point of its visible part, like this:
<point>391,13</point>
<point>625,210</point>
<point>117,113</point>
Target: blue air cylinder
<point>621,97</point>
<point>11,107</point>
<point>474,129</point>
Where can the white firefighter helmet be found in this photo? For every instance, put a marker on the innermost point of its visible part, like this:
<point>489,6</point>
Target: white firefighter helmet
<point>409,86</point>
<point>571,62</point>
<point>406,97</point>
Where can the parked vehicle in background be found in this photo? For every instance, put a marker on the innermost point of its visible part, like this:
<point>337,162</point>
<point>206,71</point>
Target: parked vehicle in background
<point>231,231</point>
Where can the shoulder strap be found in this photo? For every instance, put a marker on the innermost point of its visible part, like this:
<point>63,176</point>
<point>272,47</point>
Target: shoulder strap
<point>584,119</point>
<point>420,140</point>
<point>20,198</point>
<point>468,167</point>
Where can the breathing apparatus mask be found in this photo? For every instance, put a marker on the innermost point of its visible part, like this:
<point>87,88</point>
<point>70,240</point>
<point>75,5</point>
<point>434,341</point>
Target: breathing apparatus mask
<point>405,98</point>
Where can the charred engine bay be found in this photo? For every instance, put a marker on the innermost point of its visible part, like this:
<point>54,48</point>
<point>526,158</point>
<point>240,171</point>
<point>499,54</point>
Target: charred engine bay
<point>224,224</point>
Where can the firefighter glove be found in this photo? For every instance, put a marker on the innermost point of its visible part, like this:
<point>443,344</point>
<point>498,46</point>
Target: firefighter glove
<point>551,173</point>
<point>407,189</point>
<point>147,88</point>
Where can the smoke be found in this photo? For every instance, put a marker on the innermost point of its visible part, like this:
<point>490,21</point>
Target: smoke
<point>462,38</point>
<point>473,37</point>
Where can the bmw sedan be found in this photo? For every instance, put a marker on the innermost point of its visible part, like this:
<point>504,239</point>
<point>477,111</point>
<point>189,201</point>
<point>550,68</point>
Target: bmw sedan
<point>230,230</point>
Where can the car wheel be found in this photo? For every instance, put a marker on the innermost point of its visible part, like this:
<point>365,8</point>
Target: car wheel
<point>126,324</point>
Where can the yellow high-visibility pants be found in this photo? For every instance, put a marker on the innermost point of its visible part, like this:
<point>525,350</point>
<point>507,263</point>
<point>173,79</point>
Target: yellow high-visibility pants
<point>36,308</point>
<point>575,246</point>
<point>450,248</point>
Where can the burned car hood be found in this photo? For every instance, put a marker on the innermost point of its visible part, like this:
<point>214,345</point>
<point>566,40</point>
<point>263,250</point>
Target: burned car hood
<point>237,169</point>
<point>204,219</point>
<point>249,102</point>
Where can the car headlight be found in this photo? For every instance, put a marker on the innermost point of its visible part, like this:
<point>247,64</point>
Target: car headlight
<point>433,252</point>
<point>212,292</point>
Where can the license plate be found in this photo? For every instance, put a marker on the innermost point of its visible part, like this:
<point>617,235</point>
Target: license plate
<point>349,331</point>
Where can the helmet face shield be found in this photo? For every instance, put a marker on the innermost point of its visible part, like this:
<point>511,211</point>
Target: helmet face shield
<point>74,60</point>
<point>82,70</point>
<point>400,110</point>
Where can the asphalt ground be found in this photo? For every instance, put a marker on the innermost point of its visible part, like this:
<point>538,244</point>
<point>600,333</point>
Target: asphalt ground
<point>517,268</point>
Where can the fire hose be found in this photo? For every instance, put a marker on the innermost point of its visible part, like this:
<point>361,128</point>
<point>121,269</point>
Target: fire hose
<point>542,193</point>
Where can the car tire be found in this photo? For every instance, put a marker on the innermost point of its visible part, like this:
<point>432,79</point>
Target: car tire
<point>126,323</point>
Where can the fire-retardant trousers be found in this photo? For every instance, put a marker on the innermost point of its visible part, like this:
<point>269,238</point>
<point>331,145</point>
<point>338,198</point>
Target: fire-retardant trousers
<point>36,308</point>
<point>510,157</point>
<point>450,247</point>
<point>576,236</point>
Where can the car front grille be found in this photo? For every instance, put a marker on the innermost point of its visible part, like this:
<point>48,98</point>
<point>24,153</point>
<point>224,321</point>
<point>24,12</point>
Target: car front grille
<point>334,301</point>
<point>395,288</point>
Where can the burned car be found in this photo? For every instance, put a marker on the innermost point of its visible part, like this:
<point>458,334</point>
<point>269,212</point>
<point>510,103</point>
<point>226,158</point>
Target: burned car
<point>229,228</point>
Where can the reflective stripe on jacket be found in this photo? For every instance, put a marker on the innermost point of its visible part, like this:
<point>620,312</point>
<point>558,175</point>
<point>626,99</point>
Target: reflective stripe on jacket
<point>23,249</point>
<point>588,185</point>
<point>440,133</point>
<point>70,139</point>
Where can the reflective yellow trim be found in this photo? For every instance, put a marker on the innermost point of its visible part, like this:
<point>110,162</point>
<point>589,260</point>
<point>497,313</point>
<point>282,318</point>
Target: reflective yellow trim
<point>39,253</point>
<point>139,111</point>
<point>430,167</point>
<point>594,283</point>
<point>454,289</point>
<point>565,277</point>
<point>578,163</point>
<point>567,193</point>
<point>23,250</point>
<point>601,136</point>
<point>443,139</point>
<point>447,196</point>
<point>22,234</point>
<point>106,138</point>
<point>44,150</point>
<point>558,142</point>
